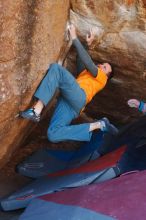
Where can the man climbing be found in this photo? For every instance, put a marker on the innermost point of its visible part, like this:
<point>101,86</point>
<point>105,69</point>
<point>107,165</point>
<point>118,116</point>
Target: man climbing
<point>140,105</point>
<point>75,95</point>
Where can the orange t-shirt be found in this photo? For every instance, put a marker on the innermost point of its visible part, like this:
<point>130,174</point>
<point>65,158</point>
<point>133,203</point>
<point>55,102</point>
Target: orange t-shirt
<point>90,84</point>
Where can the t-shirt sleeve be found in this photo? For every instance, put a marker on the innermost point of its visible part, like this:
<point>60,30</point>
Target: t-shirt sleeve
<point>101,77</point>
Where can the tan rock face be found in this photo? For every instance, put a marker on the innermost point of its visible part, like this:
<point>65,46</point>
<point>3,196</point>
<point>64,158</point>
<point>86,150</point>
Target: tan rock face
<point>32,34</point>
<point>121,40</point>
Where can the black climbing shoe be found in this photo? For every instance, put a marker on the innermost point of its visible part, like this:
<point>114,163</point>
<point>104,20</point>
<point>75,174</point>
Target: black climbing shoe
<point>106,126</point>
<point>30,114</point>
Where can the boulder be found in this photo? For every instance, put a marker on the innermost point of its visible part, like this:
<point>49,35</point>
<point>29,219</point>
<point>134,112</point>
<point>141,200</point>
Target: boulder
<point>120,28</point>
<point>32,34</point>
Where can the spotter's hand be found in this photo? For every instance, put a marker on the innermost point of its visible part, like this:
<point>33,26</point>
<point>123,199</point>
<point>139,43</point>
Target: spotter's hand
<point>133,103</point>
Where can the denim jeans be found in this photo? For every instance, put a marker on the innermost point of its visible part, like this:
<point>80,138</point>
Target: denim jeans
<point>69,105</point>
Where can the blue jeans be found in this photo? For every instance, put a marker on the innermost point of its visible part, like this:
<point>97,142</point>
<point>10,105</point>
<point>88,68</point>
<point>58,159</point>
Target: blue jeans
<point>69,105</point>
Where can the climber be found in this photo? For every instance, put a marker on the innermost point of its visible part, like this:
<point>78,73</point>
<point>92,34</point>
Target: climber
<point>75,94</point>
<point>140,105</point>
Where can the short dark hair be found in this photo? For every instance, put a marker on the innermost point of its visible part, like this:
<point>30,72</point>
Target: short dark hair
<point>112,73</point>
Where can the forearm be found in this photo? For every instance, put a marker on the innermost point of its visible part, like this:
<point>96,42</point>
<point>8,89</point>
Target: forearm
<point>85,58</point>
<point>79,64</point>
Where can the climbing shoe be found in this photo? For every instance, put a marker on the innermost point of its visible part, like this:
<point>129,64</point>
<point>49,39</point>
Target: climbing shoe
<point>106,126</point>
<point>30,114</point>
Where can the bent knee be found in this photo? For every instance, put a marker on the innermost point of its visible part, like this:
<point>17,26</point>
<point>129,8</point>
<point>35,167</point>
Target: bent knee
<point>52,135</point>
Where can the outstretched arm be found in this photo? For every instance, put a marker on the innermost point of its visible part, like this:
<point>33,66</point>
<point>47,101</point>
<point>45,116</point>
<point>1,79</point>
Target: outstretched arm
<point>79,64</point>
<point>89,39</point>
<point>82,53</point>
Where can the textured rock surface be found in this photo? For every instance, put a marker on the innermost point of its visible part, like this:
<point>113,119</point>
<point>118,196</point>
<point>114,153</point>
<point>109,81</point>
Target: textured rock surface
<point>121,39</point>
<point>32,34</point>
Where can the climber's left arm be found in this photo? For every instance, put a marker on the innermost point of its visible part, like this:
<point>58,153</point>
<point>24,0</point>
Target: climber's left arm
<point>83,54</point>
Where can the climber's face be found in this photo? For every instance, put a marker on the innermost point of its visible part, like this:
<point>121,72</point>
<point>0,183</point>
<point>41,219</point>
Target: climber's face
<point>106,68</point>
